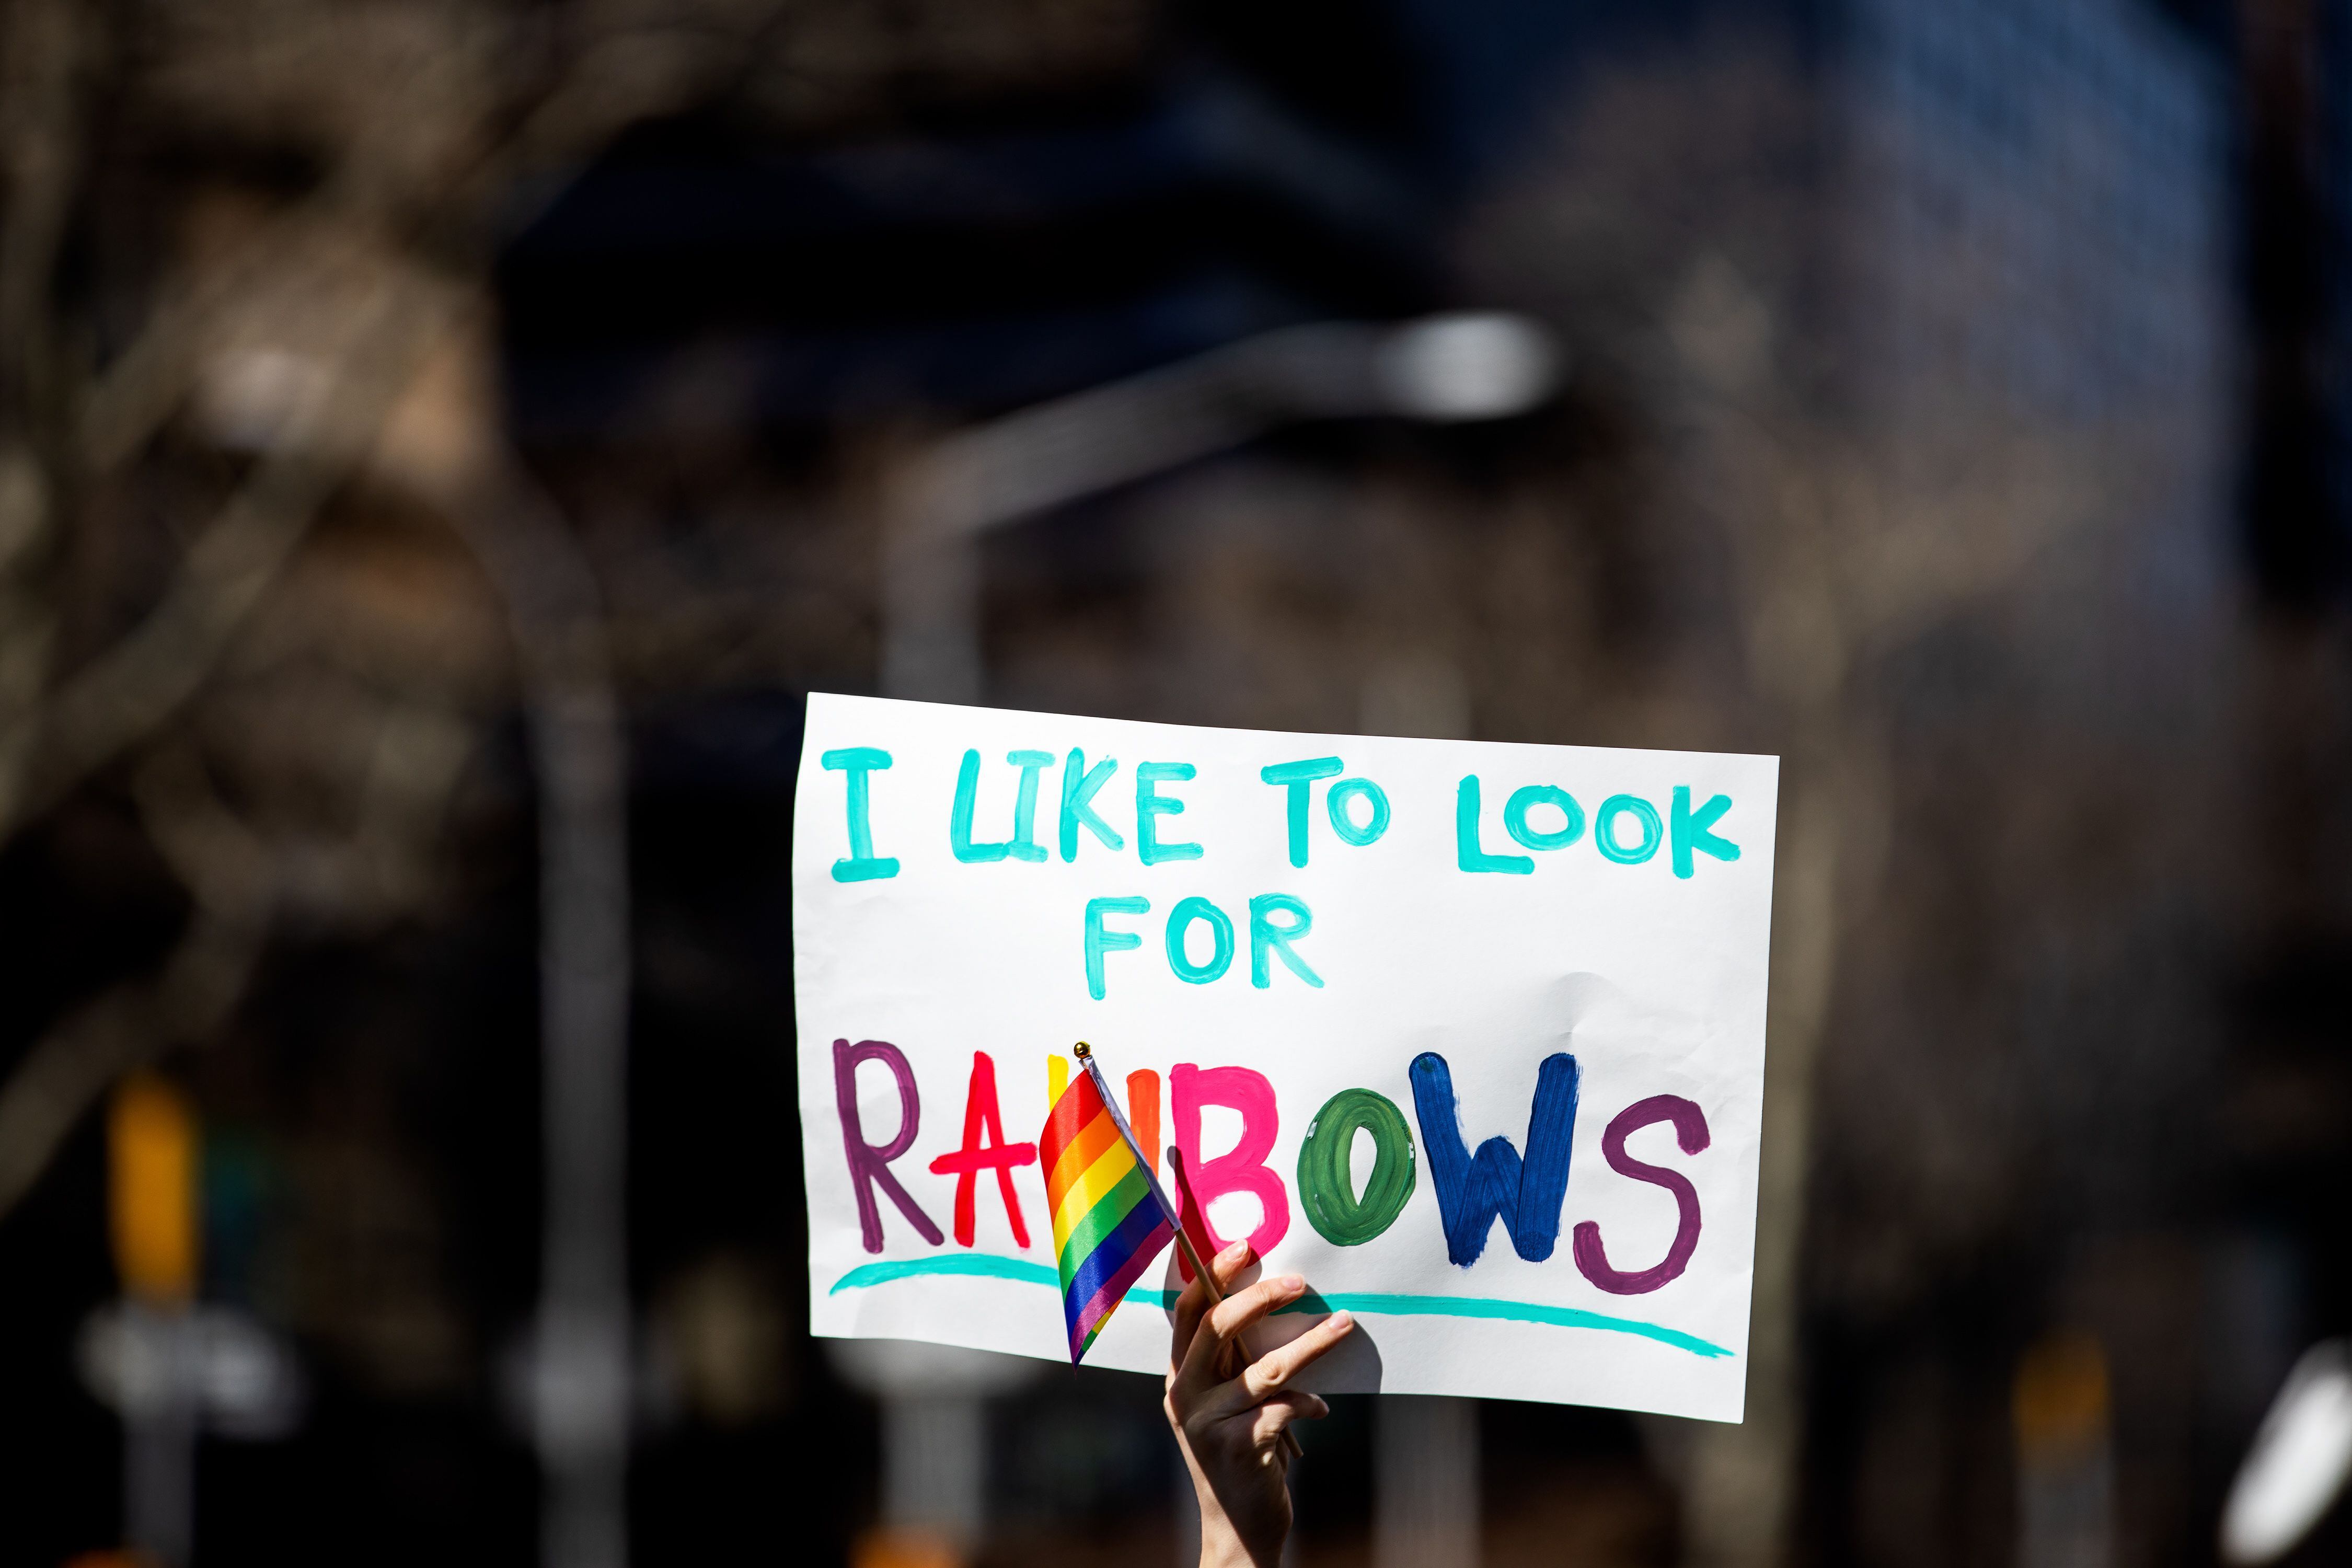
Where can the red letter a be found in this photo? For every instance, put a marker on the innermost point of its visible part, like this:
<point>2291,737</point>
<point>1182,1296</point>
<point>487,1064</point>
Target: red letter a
<point>981,1122</point>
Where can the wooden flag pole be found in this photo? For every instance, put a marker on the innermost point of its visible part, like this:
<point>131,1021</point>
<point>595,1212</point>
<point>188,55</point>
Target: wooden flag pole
<point>1199,1269</point>
<point>1086,1055</point>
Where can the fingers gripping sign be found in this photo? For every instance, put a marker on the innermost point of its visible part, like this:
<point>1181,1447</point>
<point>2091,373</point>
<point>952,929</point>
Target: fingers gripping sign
<point>1230,1413</point>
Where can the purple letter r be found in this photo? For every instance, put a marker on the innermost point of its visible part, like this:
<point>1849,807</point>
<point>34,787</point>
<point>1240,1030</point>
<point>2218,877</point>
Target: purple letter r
<point>870,1163</point>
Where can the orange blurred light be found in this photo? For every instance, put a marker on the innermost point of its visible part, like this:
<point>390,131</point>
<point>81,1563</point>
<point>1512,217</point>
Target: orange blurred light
<point>2059,1400</point>
<point>905,1549</point>
<point>152,1157</point>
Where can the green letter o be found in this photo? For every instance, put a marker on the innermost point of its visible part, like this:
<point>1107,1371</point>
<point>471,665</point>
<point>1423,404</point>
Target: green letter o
<point>1326,1189</point>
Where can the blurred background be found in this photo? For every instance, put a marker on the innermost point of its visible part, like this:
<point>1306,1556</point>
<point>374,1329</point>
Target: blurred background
<point>442,441</point>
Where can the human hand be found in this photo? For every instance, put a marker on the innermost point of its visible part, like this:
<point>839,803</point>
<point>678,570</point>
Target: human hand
<point>1230,1427</point>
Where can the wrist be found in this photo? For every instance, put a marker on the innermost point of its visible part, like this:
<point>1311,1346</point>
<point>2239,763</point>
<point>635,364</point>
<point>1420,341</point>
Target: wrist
<point>1221,1544</point>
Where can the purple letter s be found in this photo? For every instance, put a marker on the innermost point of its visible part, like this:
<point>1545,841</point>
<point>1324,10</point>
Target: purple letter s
<point>1690,1131</point>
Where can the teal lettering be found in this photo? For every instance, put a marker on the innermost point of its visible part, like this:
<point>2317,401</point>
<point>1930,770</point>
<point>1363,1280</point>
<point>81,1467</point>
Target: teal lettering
<point>1300,778</point>
<point>1268,939</point>
<point>863,864</point>
<point>1149,803</point>
<point>1691,830</point>
<point>1465,837</point>
<point>1347,790</point>
<point>1180,924</point>
<point>1604,828</point>
<point>1025,845</point>
<point>1099,941</point>
<point>960,819</point>
<point>1522,801</point>
<point>1078,785</point>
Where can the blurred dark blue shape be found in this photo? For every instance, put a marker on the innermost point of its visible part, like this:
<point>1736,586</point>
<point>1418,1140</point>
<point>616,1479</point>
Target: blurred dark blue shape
<point>692,279</point>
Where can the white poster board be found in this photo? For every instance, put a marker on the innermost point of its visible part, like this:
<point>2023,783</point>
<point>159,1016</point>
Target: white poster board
<point>1470,1035</point>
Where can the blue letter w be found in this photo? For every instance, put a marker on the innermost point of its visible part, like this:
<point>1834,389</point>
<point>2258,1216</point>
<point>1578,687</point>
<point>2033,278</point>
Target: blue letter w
<point>1471,1191</point>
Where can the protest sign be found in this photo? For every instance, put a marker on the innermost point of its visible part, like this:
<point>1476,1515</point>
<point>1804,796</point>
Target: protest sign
<point>1471,1034</point>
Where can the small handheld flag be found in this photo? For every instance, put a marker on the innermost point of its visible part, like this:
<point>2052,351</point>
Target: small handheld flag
<point>1112,1215</point>
<point>1110,1219</point>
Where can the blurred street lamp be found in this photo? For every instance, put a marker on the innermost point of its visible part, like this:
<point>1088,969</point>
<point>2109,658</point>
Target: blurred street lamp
<point>2297,1466</point>
<point>1446,369</point>
<point>573,1380</point>
<point>1426,1448</point>
<point>1425,1482</point>
<point>151,1158</point>
<point>2061,1409</point>
<point>934,1441</point>
<point>167,1365</point>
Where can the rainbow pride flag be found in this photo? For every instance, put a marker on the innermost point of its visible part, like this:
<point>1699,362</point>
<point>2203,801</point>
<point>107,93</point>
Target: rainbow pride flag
<point>1107,1227</point>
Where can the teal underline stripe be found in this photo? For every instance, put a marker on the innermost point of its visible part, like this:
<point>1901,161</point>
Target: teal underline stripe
<point>984,1264</point>
<point>988,1265</point>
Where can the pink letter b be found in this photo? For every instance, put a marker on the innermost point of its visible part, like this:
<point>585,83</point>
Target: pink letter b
<point>1243,1169</point>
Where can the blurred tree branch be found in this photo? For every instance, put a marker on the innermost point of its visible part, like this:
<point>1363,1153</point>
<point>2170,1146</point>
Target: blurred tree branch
<point>620,64</point>
<point>351,384</point>
<point>39,106</point>
<point>200,984</point>
<point>121,696</point>
<point>1680,246</point>
<point>1839,560</point>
